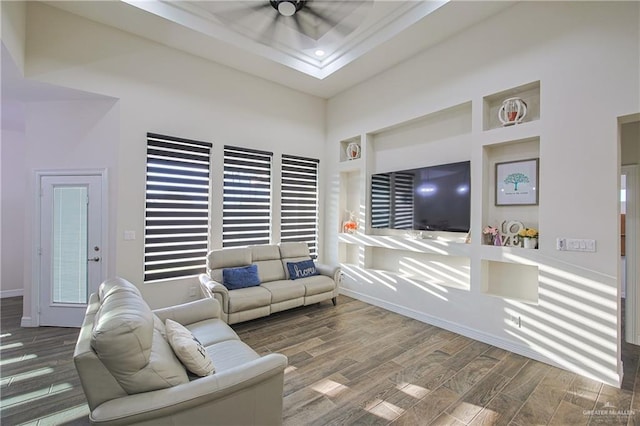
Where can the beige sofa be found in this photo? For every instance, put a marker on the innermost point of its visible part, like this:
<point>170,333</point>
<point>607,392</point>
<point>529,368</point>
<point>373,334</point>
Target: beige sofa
<point>130,374</point>
<point>276,291</point>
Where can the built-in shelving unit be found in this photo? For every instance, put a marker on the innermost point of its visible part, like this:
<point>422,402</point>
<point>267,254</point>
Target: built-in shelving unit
<point>447,261</point>
<point>529,93</point>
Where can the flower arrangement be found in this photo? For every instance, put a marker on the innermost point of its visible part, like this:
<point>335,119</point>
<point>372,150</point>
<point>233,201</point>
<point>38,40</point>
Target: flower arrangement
<point>528,233</point>
<point>350,226</point>
<point>490,230</point>
<point>491,236</point>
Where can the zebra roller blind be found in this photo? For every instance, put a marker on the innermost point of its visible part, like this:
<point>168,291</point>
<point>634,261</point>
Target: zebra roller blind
<point>299,206</point>
<point>177,207</point>
<point>246,210</point>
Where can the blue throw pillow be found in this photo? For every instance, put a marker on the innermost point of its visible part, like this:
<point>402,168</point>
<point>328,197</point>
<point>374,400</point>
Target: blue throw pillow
<point>306,268</point>
<point>245,276</point>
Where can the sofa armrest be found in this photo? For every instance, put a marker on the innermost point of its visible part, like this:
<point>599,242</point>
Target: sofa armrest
<point>170,402</point>
<point>190,312</point>
<point>217,290</point>
<point>330,271</point>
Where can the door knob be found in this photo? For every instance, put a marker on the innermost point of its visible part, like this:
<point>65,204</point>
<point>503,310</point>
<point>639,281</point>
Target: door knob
<point>94,259</point>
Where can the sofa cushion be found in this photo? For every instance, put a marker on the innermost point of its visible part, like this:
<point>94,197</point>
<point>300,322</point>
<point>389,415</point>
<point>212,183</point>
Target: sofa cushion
<point>230,354</point>
<point>294,249</point>
<point>159,325</point>
<point>267,258</point>
<point>236,278</point>
<point>317,284</point>
<point>134,352</point>
<point>212,331</point>
<point>270,270</point>
<point>189,349</point>
<point>282,290</point>
<point>248,298</point>
<point>302,269</point>
<point>265,252</point>
<point>115,285</point>
<point>219,259</point>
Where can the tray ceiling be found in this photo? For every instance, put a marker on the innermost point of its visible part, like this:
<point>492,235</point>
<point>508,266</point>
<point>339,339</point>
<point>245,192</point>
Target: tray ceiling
<point>359,38</point>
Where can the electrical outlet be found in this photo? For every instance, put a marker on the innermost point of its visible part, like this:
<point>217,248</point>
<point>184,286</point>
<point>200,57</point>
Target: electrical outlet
<point>192,291</point>
<point>516,320</point>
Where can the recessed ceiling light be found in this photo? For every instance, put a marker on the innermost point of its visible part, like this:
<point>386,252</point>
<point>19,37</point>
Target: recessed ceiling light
<point>320,53</point>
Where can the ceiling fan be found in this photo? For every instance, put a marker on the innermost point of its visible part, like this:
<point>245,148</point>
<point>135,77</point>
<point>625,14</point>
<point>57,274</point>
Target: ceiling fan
<point>310,18</point>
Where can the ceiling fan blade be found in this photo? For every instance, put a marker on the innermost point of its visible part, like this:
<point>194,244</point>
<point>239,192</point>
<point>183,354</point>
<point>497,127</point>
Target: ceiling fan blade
<point>261,6</point>
<point>337,24</point>
<point>268,33</point>
<point>296,20</point>
<point>239,11</point>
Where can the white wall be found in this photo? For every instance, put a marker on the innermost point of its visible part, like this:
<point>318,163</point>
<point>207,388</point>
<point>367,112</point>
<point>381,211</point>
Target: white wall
<point>159,90</point>
<point>13,15</point>
<point>585,56</point>
<point>12,207</point>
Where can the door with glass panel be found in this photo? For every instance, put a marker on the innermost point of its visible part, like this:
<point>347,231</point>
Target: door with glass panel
<point>70,247</point>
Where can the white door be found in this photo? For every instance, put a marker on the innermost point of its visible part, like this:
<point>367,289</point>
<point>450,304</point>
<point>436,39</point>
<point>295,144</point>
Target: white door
<point>70,246</point>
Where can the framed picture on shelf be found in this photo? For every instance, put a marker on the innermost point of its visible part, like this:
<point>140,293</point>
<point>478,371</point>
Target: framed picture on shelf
<point>517,183</point>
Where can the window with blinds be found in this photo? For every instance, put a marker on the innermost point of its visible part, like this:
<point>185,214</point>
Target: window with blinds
<point>246,209</point>
<point>299,205</point>
<point>381,200</point>
<point>403,201</point>
<point>177,207</point>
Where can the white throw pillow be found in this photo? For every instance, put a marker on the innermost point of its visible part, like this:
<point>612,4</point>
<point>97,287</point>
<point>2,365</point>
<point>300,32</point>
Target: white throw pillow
<point>188,349</point>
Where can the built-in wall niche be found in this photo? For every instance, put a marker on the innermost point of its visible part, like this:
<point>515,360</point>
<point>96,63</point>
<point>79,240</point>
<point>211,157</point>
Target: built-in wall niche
<point>433,269</point>
<point>529,93</point>
<point>351,198</point>
<point>348,148</point>
<point>437,138</point>
<point>349,254</point>
<point>497,215</point>
<point>510,280</point>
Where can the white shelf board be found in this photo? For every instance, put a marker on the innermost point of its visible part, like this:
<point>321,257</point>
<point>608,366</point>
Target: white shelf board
<point>369,273</point>
<point>504,254</point>
<point>431,246</point>
<point>510,134</point>
<point>350,165</point>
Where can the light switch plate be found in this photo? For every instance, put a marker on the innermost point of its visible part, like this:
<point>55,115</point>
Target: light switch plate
<point>575,244</point>
<point>129,235</point>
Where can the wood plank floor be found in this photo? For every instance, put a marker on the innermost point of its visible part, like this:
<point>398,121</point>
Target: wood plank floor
<point>350,364</point>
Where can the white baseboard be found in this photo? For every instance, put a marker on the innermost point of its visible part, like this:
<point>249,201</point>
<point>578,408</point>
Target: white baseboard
<point>11,293</point>
<point>481,336</point>
<point>27,322</point>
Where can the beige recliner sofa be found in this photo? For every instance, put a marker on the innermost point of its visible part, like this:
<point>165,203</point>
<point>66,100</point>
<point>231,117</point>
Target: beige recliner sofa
<point>276,291</point>
<point>130,374</point>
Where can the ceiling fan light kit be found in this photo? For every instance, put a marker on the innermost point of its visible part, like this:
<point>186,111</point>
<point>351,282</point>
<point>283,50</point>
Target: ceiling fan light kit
<point>287,7</point>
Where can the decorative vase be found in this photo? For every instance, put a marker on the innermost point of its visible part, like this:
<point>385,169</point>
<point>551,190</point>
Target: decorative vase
<point>350,226</point>
<point>353,151</point>
<point>487,239</point>
<point>530,243</point>
<point>512,111</point>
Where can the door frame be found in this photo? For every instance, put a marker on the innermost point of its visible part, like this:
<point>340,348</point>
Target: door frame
<point>632,302</point>
<point>36,264</point>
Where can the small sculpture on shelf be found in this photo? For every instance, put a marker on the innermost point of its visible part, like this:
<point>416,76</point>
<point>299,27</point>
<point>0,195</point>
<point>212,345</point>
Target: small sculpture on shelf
<point>350,226</point>
<point>353,151</point>
<point>512,111</point>
<point>510,233</point>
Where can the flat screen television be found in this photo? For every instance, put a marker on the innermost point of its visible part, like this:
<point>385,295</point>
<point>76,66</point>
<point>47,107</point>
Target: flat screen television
<point>435,198</point>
